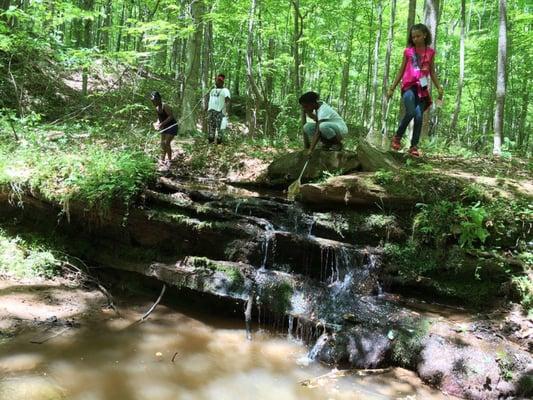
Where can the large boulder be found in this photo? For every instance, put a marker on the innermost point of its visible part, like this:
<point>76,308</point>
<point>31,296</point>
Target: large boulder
<point>373,159</point>
<point>354,190</point>
<point>286,169</point>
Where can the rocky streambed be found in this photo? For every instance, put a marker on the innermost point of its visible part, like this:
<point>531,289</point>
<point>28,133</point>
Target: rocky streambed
<point>316,273</point>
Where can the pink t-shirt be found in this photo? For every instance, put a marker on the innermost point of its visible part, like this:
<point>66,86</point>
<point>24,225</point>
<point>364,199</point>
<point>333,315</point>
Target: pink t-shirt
<point>418,65</point>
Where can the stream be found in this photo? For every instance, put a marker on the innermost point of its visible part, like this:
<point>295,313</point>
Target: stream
<point>178,354</point>
<point>315,277</point>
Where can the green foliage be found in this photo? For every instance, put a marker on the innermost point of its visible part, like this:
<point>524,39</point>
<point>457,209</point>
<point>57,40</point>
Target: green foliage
<point>524,285</point>
<point>441,221</point>
<point>65,169</point>
<point>408,343</point>
<point>505,363</point>
<point>411,259</point>
<point>276,295</point>
<point>383,177</point>
<point>24,259</point>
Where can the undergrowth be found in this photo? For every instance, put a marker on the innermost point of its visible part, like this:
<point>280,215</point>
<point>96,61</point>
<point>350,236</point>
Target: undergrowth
<point>21,258</point>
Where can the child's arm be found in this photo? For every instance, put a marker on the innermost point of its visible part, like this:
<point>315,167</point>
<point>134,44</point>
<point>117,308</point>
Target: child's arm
<point>168,110</point>
<point>398,78</point>
<point>435,79</point>
<point>311,115</point>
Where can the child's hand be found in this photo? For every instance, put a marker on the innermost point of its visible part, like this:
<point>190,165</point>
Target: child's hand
<point>441,93</point>
<point>390,93</point>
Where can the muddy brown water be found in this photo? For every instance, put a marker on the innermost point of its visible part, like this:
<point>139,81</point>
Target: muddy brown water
<point>178,355</point>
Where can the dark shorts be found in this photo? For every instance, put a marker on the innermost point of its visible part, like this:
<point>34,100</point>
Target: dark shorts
<point>172,131</point>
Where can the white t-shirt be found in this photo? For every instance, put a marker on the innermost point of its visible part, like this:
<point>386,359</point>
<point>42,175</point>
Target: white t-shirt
<point>217,99</point>
<point>327,114</point>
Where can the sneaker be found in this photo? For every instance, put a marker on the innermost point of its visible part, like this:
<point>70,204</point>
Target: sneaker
<point>414,151</point>
<point>396,143</point>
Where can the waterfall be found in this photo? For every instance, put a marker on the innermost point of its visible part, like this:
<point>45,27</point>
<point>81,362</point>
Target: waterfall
<point>267,239</point>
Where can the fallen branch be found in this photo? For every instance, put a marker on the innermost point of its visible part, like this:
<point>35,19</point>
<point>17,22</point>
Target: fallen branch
<point>336,373</point>
<point>147,313</point>
<point>94,281</point>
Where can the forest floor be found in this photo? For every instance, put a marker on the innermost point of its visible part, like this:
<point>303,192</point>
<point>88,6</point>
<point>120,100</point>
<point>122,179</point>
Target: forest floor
<point>244,162</point>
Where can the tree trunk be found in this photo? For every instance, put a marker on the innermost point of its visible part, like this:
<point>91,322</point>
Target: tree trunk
<point>206,76</point>
<point>297,35</point>
<point>375,73</point>
<point>346,73</point>
<point>105,37</point>
<point>411,17</point>
<point>453,125</point>
<point>87,43</point>
<point>121,25</point>
<point>346,66</point>
<point>523,116</point>
<point>191,95</point>
<point>269,88</point>
<point>367,87</point>
<point>431,19</point>
<point>500,80</point>
<point>387,70</point>
<point>256,94</point>
<point>237,80</point>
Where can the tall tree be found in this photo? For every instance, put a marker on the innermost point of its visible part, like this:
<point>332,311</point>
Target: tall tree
<point>346,65</point>
<point>256,95</point>
<point>500,79</point>
<point>411,17</point>
<point>297,35</point>
<point>386,68</point>
<point>453,125</point>
<point>431,19</point>
<point>375,71</point>
<point>191,96</point>
<point>87,42</point>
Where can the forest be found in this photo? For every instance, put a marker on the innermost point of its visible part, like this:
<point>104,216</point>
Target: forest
<point>251,264</point>
<point>272,51</point>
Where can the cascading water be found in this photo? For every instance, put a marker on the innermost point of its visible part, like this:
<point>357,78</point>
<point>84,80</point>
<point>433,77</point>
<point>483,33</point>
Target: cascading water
<point>267,240</point>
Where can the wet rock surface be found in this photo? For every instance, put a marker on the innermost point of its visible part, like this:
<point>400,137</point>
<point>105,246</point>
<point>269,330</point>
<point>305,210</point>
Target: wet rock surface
<point>318,276</point>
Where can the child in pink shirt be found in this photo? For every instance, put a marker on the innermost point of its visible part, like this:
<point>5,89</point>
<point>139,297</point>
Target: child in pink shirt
<point>416,70</point>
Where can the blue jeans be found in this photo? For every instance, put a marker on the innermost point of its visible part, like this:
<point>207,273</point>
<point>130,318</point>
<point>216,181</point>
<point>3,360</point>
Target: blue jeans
<point>414,108</point>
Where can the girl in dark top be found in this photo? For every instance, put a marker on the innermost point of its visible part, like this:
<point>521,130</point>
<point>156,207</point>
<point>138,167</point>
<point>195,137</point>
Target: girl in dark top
<point>166,124</point>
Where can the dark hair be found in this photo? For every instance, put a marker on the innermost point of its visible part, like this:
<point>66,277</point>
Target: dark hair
<point>221,76</point>
<point>422,28</point>
<point>155,96</point>
<point>309,98</point>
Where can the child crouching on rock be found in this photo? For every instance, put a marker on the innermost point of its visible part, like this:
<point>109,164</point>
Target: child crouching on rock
<point>332,128</point>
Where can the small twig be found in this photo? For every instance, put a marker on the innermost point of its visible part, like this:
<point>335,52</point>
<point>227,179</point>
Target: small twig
<point>174,356</point>
<point>14,131</point>
<point>335,373</point>
<point>154,305</point>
